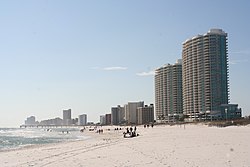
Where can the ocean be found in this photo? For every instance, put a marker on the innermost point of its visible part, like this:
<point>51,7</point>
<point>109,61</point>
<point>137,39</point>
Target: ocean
<point>14,138</point>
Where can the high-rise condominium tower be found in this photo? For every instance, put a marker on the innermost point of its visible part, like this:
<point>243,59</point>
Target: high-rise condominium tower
<point>168,91</point>
<point>67,117</point>
<point>205,73</point>
<point>131,111</point>
<point>117,115</point>
<point>82,119</point>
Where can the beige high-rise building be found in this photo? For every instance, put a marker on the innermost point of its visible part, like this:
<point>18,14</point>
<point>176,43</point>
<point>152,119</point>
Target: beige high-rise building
<point>168,91</point>
<point>117,115</point>
<point>131,111</point>
<point>145,114</point>
<point>205,73</point>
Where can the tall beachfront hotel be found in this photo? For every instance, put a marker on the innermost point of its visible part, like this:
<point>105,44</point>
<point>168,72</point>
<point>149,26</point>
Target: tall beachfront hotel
<point>205,74</point>
<point>168,92</point>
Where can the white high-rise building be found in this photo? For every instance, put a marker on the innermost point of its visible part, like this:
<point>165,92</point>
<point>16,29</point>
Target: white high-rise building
<point>168,91</point>
<point>67,117</point>
<point>82,119</point>
<point>205,73</point>
<point>30,120</point>
<point>102,120</point>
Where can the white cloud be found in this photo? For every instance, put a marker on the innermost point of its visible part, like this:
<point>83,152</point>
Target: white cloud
<point>114,68</point>
<point>149,73</point>
<point>242,52</point>
<point>237,61</point>
<point>117,68</point>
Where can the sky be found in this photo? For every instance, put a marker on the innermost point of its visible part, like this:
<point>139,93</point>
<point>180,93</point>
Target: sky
<point>89,56</point>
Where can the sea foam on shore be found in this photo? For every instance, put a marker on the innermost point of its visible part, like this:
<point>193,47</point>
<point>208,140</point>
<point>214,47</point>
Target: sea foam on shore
<point>14,138</point>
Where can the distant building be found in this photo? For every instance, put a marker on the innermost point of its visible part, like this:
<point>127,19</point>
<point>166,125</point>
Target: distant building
<point>55,121</point>
<point>102,120</point>
<point>67,117</point>
<point>131,111</point>
<point>122,115</point>
<point>117,115</point>
<point>82,119</point>
<point>108,119</point>
<point>90,123</point>
<point>30,120</point>
<point>145,114</point>
<point>168,91</point>
<point>75,121</point>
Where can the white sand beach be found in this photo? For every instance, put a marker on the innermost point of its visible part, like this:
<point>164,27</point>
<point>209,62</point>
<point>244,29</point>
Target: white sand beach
<point>163,145</point>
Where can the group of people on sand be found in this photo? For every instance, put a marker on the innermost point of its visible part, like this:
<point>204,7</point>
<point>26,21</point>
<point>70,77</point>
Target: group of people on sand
<point>118,129</point>
<point>130,132</point>
<point>67,132</point>
<point>147,125</point>
<point>100,131</point>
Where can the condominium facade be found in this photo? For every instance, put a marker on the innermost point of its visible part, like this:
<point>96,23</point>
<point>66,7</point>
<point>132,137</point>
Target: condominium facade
<point>117,115</point>
<point>54,121</point>
<point>131,111</point>
<point>82,119</point>
<point>168,91</point>
<point>205,73</point>
<point>102,120</point>
<point>67,117</point>
<point>30,120</point>
<point>145,114</point>
<point>108,119</point>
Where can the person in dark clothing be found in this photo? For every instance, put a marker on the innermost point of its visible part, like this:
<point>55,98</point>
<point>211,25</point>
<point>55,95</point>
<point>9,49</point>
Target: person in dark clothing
<point>127,130</point>
<point>131,129</point>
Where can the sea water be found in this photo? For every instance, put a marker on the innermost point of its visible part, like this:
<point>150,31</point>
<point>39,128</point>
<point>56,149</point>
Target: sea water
<point>13,138</point>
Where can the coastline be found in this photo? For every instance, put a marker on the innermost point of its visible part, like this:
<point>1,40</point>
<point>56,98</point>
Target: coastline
<point>18,138</point>
<point>162,145</point>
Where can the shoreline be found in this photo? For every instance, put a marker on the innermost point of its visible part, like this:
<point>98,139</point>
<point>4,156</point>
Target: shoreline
<point>88,135</point>
<point>162,145</point>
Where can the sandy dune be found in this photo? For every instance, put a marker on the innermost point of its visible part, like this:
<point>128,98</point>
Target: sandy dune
<point>194,145</point>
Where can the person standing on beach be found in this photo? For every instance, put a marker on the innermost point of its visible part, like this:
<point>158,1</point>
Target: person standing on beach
<point>131,130</point>
<point>127,130</point>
